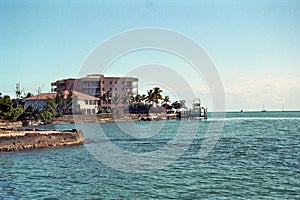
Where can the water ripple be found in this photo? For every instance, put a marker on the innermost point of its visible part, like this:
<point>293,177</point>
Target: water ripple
<point>253,159</point>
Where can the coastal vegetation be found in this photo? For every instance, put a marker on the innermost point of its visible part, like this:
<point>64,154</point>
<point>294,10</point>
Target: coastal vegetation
<point>10,109</point>
<point>13,109</point>
<point>129,103</point>
<point>134,103</point>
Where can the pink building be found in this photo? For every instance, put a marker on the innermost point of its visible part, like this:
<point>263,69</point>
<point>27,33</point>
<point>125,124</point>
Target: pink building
<point>97,85</point>
<point>62,85</point>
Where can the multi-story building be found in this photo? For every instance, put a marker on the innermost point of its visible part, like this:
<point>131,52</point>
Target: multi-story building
<point>97,85</point>
<point>62,85</point>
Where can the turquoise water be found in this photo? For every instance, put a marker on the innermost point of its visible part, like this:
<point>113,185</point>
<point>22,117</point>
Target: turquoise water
<point>257,156</point>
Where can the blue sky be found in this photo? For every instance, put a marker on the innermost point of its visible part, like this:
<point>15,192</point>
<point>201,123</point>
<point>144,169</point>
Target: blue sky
<point>255,45</point>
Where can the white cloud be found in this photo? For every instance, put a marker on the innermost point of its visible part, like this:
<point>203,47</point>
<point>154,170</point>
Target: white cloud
<point>250,93</point>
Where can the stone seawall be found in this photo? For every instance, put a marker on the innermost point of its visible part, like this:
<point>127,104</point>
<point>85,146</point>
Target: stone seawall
<point>9,124</point>
<point>11,139</point>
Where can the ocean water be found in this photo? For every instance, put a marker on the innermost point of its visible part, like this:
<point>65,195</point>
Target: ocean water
<point>256,156</point>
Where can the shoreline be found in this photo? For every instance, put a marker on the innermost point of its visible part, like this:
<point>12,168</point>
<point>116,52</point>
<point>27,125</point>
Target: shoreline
<point>13,139</point>
<point>70,119</point>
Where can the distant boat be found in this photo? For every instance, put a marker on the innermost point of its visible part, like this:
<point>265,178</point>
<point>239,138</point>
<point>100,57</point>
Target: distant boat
<point>263,110</point>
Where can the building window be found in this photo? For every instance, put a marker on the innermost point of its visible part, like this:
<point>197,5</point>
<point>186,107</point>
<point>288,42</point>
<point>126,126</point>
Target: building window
<point>110,82</point>
<point>122,82</point>
<point>116,88</point>
<point>115,82</point>
<point>103,89</point>
<point>103,82</point>
<point>123,89</point>
<point>110,89</point>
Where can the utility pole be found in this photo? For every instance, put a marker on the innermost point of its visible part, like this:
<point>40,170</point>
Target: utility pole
<point>18,92</point>
<point>39,90</point>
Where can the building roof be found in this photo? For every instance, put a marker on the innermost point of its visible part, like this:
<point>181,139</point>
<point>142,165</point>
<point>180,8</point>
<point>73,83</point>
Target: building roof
<point>80,95</point>
<point>44,96</point>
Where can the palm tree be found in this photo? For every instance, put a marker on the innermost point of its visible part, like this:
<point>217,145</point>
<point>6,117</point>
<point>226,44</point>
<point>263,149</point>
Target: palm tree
<point>150,96</point>
<point>60,101</point>
<point>143,98</point>
<point>126,98</point>
<point>131,99</point>
<point>157,95</point>
<point>176,105</point>
<point>68,102</point>
<point>140,98</point>
<point>182,103</point>
<point>116,99</point>
<point>106,97</point>
<point>166,100</point>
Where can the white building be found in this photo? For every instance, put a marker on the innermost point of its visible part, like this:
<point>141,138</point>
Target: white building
<point>86,104</point>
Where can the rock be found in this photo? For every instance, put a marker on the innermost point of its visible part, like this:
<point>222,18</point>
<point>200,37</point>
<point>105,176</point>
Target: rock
<point>11,139</point>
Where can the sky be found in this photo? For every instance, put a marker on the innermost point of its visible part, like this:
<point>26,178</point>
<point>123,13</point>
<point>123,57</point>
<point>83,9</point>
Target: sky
<point>254,45</point>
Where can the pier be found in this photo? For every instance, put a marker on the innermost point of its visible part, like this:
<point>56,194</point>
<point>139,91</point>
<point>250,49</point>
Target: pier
<point>197,111</point>
<point>190,114</point>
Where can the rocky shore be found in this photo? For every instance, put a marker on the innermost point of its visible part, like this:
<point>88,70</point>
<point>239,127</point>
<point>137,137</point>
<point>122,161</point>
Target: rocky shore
<point>12,139</point>
<point>9,124</point>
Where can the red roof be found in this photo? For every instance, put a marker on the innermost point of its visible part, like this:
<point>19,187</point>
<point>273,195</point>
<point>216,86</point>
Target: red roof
<point>44,96</point>
<point>80,95</point>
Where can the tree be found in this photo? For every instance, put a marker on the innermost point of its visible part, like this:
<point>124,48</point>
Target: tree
<point>9,108</point>
<point>64,102</point>
<point>139,108</point>
<point>176,105</point>
<point>126,98</point>
<point>179,104</point>
<point>137,98</point>
<point>68,103</point>
<point>6,105</point>
<point>48,112</point>
<point>166,100</point>
<point>29,94</point>
<point>143,98</point>
<point>29,113</point>
<point>157,95</point>
<point>106,97</point>
<point>59,101</point>
<point>182,103</point>
<point>154,95</point>
<point>150,96</point>
<point>116,99</point>
<point>16,113</point>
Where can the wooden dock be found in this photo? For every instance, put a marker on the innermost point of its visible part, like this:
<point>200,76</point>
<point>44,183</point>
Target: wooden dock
<point>192,114</point>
